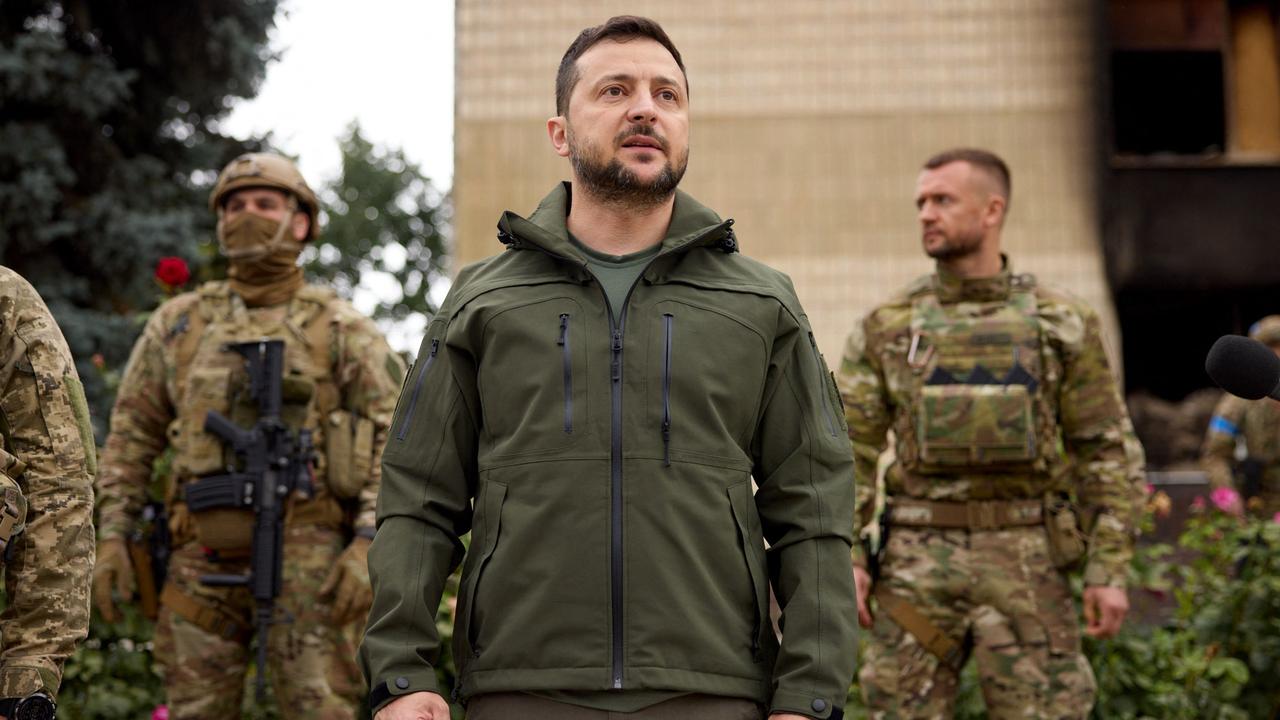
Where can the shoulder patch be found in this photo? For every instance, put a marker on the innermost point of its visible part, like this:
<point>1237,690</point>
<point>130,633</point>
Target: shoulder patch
<point>179,327</point>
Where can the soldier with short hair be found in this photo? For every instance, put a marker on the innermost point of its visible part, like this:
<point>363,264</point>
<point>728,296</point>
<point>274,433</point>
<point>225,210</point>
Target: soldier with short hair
<point>340,383</point>
<point>47,462</point>
<point>1242,445</point>
<point>1007,424</point>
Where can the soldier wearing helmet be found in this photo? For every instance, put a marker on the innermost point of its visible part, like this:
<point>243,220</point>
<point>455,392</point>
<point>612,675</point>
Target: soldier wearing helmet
<point>47,461</point>
<point>341,382</point>
<point>1242,445</point>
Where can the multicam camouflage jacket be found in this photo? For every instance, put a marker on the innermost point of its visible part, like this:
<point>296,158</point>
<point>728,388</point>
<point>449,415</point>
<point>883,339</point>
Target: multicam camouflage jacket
<point>1256,423</point>
<point>178,371</point>
<point>995,389</point>
<point>46,445</point>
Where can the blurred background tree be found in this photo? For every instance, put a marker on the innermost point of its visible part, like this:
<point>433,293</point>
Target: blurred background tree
<point>109,142</point>
<point>386,225</point>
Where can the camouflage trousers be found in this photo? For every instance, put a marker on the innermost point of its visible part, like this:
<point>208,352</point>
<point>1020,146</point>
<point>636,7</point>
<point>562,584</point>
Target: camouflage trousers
<point>1000,587</point>
<point>312,664</point>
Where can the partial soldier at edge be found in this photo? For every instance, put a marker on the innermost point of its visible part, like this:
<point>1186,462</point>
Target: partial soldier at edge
<point>340,383</point>
<point>47,462</point>
<point>1015,462</point>
<point>1242,445</point>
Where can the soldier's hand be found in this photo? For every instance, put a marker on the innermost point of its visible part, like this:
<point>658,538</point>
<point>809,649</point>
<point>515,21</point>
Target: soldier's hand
<point>1104,610</point>
<point>348,583</point>
<point>112,571</point>
<point>415,706</point>
<point>862,582</point>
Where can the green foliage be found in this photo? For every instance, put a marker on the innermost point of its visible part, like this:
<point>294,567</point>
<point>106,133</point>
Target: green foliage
<point>385,220</point>
<point>108,143</point>
<point>111,675</point>
<point>1217,656</point>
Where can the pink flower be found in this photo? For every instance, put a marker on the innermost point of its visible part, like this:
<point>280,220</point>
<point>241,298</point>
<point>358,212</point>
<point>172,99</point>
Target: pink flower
<point>1276,518</point>
<point>1198,504</point>
<point>1227,500</point>
<point>160,713</point>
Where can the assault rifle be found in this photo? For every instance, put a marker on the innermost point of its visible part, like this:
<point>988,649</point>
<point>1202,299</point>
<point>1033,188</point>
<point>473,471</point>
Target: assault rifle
<point>276,462</point>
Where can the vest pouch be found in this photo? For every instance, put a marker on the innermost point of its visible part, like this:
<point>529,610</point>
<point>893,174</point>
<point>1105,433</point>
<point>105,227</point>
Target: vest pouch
<point>1067,546</point>
<point>229,531</point>
<point>976,426</point>
<point>13,503</point>
<point>198,452</point>
<point>349,452</point>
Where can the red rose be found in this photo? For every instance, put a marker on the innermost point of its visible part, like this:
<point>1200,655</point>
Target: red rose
<point>172,271</point>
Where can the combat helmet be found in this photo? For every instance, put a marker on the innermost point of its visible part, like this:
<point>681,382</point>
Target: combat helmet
<point>266,170</point>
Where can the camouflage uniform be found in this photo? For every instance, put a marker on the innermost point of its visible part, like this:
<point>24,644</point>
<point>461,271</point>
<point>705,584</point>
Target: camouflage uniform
<point>998,394</point>
<point>177,373</point>
<point>46,445</point>
<point>1248,430</point>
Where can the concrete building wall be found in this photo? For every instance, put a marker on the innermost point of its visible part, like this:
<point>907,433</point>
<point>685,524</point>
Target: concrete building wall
<point>810,119</point>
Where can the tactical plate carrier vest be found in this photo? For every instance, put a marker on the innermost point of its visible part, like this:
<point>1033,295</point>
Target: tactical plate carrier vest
<point>977,381</point>
<point>212,378</point>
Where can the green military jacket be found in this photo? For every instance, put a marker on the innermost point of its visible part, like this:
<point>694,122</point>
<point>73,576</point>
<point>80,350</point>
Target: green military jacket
<point>606,476</point>
<point>1081,435</point>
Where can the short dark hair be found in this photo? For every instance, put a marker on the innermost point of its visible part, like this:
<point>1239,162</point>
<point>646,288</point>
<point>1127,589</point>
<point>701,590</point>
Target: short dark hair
<point>619,29</point>
<point>983,159</point>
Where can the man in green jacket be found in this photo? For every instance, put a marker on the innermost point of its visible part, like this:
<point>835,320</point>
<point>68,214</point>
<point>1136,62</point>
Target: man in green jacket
<point>594,404</point>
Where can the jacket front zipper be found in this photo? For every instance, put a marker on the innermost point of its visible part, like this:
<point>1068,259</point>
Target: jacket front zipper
<point>567,354</point>
<point>615,457</point>
<point>823,373</point>
<point>417,388</point>
<point>668,323</point>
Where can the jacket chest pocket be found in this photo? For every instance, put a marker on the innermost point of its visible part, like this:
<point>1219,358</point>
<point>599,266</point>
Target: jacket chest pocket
<point>704,377</point>
<point>533,377</point>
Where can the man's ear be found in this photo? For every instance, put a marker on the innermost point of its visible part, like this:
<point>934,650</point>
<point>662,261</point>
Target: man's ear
<point>300,225</point>
<point>558,132</point>
<point>994,215</point>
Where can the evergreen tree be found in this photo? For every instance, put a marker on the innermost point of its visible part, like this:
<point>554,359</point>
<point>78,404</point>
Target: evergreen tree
<point>109,143</point>
<point>386,224</point>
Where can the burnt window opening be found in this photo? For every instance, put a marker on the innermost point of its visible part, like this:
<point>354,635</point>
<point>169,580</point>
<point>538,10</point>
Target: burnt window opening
<point>1168,102</point>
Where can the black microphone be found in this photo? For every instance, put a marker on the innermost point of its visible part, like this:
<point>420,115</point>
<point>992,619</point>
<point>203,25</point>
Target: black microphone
<point>1244,367</point>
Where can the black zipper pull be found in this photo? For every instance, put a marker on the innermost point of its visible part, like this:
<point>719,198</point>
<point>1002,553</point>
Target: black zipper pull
<point>564,329</point>
<point>616,367</point>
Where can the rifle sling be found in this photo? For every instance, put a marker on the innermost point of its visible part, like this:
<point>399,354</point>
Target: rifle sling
<point>205,617</point>
<point>931,638</point>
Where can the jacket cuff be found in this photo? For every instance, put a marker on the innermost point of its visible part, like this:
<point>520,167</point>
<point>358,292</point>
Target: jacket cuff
<point>807,704</point>
<point>19,681</point>
<point>858,556</point>
<point>1097,574</point>
<point>403,683</point>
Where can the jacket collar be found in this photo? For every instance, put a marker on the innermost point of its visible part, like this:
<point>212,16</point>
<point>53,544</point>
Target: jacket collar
<point>952,288</point>
<point>692,225</point>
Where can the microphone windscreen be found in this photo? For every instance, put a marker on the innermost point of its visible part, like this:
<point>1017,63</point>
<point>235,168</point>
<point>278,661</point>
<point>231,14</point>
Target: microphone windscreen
<point>1243,367</point>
